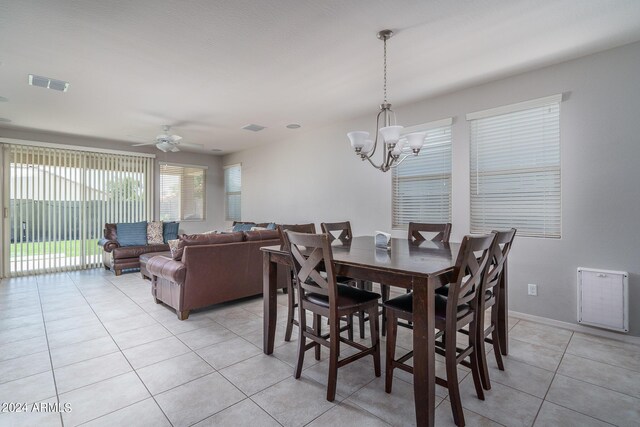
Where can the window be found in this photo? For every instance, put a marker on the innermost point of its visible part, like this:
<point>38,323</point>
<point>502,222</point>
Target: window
<point>515,168</point>
<point>60,199</point>
<point>232,191</point>
<point>422,184</point>
<point>182,192</point>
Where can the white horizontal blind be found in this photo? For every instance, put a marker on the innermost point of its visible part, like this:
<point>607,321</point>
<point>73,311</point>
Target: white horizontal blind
<point>182,192</point>
<point>422,184</point>
<point>515,172</point>
<point>59,201</point>
<point>233,192</point>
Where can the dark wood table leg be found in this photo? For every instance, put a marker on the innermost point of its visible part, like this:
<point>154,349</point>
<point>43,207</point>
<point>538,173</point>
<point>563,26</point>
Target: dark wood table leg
<point>503,313</point>
<point>269,292</point>
<point>424,355</point>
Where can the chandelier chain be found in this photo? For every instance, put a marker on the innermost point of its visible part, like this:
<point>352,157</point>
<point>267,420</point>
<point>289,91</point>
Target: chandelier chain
<point>385,70</point>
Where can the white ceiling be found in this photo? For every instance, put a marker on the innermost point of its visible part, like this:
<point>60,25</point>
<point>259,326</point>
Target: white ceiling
<point>211,67</point>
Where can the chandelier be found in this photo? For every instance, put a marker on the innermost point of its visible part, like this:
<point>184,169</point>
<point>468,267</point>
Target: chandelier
<point>393,146</point>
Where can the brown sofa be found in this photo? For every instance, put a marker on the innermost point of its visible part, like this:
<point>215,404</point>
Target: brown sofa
<point>213,269</point>
<point>117,258</point>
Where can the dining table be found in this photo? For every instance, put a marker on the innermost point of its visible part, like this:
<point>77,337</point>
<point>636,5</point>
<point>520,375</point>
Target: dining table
<point>414,265</point>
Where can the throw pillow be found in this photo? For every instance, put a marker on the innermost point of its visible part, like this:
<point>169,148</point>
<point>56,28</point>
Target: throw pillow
<point>170,231</point>
<point>132,233</point>
<point>243,226</point>
<point>154,233</point>
<point>176,250</point>
<point>271,226</point>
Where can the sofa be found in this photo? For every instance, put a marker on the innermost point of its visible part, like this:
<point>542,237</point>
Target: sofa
<point>211,269</point>
<point>118,255</point>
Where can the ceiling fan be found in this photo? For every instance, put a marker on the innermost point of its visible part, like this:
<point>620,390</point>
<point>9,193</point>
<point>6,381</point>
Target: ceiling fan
<point>169,142</point>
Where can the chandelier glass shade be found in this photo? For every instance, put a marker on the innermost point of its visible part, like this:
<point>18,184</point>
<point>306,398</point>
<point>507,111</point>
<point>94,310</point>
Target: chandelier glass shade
<point>395,146</point>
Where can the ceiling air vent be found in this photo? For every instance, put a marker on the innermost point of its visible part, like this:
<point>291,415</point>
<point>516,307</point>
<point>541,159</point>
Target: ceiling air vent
<point>48,83</point>
<point>253,128</point>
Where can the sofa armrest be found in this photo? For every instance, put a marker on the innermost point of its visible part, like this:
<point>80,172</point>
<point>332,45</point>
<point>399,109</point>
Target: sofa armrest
<point>169,269</point>
<point>108,245</point>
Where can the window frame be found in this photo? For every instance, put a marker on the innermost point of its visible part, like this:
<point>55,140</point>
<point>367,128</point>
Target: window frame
<point>181,201</point>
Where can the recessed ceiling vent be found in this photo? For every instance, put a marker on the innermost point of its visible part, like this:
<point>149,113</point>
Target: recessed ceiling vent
<point>48,83</point>
<point>253,128</point>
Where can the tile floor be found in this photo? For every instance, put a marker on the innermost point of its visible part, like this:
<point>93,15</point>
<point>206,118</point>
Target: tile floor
<point>101,345</point>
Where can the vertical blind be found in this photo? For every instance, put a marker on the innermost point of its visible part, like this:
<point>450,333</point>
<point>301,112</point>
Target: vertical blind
<point>59,201</point>
<point>182,192</point>
<point>515,170</point>
<point>422,184</point>
<point>233,192</point>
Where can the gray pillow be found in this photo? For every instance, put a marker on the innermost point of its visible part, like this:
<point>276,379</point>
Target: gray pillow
<point>132,233</point>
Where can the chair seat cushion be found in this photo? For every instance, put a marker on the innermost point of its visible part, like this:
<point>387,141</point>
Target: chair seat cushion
<point>348,297</point>
<point>404,303</point>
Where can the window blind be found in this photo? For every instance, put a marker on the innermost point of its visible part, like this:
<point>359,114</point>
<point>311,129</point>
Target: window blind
<point>233,192</point>
<point>59,201</point>
<point>515,171</point>
<point>182,192</point>
<point>421,185</point>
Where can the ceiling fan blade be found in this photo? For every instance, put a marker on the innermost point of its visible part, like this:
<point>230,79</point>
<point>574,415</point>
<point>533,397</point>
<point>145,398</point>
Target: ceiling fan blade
<point>190,144</point>
<point>174,149</point>
<point>175,138</point>
<point>145,143</point>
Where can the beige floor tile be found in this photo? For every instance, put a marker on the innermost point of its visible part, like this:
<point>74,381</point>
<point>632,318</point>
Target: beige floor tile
<point>50,316</point>
<point>72,323</point>
<point>534,354</point>
<point>204,337</point>
<point>96,400</point>
<point>8,336</point>
<point>552,415</point>
<point>597,402</point>
<point>257,373</point>
<point>85,333</point>
<point>502,404</point>
<point>90,371</point>
<point>86,350</point>
<point>444,417</point>
<point>523,377</point>
<point>24,366</point>
<point>309,402</point>
<point>176,326</point>
<point>351,377</point>
<point>155,351</point>
<point>30,389</point>
<point>140,336</point>
<point>173,372</point>
<point>607,341</point>
<point>142,414</point>
<point>21,321</point>
<point>32,418</point>
<point>188,403</point>
<point>547,336</point>
<point>228,353</point>
<point>607,376</point>
<point>346,414</point>
<point>129,324</point>
<point>243,414</point>
<point>396,408</point>
<point>23,348</point>
<point>622,357</point>
<point>288,353</point>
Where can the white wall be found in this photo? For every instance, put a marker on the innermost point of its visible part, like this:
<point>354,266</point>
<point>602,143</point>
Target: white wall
<point>314,176</point>
<point>214,175</point>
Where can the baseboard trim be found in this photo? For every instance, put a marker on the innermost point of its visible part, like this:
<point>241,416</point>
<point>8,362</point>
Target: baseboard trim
<point>577,328</point>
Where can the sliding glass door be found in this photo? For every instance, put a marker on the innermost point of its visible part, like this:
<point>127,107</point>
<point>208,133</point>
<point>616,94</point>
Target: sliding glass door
<point>59,200</point>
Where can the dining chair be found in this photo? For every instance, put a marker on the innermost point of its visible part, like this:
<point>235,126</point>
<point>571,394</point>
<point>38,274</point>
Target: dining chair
<point>319,293</point>
<point>489,298</point>
<point>414,234</point>
<point>342,231</point>
<point>452,313</point>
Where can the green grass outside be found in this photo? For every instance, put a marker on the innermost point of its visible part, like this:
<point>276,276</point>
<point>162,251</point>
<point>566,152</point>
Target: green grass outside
<point>70,248</point>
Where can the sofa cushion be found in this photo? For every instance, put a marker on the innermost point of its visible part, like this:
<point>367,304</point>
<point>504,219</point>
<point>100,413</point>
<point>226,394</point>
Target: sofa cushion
<point>244,226</point>
<point>261,235</point>
<point>154,233</point>
<point>272,226</point>
<point>202,239</point>
<point>110,232</point>
<point>132,233</point>
<point>133,252</point>
<point>170,230</point>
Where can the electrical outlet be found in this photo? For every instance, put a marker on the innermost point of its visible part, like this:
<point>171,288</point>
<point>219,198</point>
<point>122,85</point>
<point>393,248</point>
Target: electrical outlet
<point>532,290</point>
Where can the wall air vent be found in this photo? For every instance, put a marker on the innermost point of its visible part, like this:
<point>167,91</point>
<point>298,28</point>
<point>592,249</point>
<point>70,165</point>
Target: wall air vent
<point>48,83</point>
<point>253,128</point>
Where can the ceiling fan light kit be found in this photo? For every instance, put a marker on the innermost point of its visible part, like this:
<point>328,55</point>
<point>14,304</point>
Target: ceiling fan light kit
<point>388,133</point>
<point>168,142</point>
